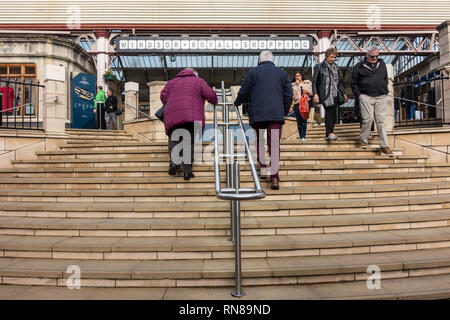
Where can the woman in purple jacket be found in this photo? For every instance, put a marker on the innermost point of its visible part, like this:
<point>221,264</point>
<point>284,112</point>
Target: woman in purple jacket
<point>185,97</point>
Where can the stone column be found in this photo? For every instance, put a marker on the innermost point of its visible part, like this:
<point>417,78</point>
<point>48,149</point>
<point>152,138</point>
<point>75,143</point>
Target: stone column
<point>55,100</point>
<point>155,88</point>
<point>324,44</point>
<point>132,100</point>
<point>390,113</point>
<point>444,62</point>
<point>102,57</point>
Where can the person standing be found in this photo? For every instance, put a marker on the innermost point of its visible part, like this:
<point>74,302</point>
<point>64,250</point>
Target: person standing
<point>110,111</point>
<point>328,90</point>
<point>184,97</point>
<point>99,107</point>
<point>370,86</point>
<point>270,93</point>
<point>299,86</point>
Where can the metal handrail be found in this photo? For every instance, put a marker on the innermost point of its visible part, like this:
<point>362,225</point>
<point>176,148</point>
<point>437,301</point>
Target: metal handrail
<point>137,110</point>
<point>233,191</point>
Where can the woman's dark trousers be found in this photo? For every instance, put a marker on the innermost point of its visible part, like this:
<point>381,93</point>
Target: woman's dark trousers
<point>330,119</point>
<point>177,158</point>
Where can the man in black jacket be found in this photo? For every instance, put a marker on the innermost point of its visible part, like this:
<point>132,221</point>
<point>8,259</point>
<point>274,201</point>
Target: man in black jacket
<point>370,86</point>
<point>110,111</point>
<point>270,93</point>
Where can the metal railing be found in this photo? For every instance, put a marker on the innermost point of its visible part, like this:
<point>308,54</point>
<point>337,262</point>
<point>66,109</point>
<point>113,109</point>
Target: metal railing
<point>138,112</point>
<point>19,104</point>
<point>430,113</point>
<point>233,191</point>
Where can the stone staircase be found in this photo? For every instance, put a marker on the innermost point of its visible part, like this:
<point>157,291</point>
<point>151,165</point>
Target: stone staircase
<point>105,203</point>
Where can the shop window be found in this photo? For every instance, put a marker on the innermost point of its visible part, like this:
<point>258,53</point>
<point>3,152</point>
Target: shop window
<point>23,76</point>
<point>30,70</point>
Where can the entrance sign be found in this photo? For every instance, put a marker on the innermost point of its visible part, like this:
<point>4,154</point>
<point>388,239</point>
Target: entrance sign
<point>83,93</point>
<point>137,44</point>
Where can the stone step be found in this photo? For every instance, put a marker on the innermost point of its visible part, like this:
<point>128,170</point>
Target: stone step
<point>207,170</point>
<point>207,273</point>
<point>290,184</point>
<point>217,248</point>
<point>71,130</point>
<point>430,287</point>
<point>150,160</point>
<point>77,208</point>
<point>152,189</point>
<point>292,151</point>
<point>163,144</point>
<point>219,227</point>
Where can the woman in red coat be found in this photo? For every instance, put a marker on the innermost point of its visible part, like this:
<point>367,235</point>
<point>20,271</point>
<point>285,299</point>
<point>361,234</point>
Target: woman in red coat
<point>185,97</point>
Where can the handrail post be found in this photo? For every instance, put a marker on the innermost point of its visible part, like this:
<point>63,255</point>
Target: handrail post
<point>237,234</point>
<point>233,191</point>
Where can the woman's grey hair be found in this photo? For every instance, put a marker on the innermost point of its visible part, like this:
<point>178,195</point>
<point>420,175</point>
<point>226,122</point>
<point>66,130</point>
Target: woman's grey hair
<point>193,70</point>
<point>266,56</point>
<point>372,49</point>
<point>330,51</point>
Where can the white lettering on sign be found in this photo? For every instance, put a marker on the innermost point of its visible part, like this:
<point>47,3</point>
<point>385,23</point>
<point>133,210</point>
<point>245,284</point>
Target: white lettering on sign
<point>141,44</point>
<point>237,44</point>
<point>214,44</point>
<point>150,44</point>
<point>211,44</point>
<point>262,44</point>
<point>288,44</point>
<point>279,44</point>
<point>176,44</point>
<point>271,44</point>
<point>228,44</point>
<point>123,44</point>
<point>193,44</point>
<point>220,45</point>
<point>184,44</point>
<point>305,44</point>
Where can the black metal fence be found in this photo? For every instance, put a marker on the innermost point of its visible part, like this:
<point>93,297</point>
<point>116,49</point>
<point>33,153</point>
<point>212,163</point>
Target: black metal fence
<point>416,102</point>
<point>19,103</point>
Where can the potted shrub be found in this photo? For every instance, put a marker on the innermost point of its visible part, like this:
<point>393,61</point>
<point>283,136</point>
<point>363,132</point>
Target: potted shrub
<point>109,75</point>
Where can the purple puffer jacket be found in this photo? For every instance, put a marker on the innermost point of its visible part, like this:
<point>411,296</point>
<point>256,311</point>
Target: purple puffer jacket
<point>186,95</point>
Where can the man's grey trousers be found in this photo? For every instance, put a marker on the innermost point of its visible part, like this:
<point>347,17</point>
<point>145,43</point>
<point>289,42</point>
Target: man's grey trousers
<point>373,107</point>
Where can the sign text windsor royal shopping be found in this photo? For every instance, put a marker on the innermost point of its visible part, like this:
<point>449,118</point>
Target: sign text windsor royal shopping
<point>213,45</point>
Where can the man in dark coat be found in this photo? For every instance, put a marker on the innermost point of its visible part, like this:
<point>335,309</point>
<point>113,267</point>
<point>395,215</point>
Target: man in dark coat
<point>370,86</point>
<point>110,111</point>
<point>270,92</point>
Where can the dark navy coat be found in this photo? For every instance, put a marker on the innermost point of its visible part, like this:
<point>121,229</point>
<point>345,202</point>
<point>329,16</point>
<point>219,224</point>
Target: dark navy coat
<point>270,92</point>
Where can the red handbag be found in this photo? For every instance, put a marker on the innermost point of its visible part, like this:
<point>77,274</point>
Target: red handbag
<point>303,106</point>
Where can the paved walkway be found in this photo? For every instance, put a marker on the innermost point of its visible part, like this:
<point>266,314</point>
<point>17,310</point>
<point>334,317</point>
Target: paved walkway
<point>430,287</point>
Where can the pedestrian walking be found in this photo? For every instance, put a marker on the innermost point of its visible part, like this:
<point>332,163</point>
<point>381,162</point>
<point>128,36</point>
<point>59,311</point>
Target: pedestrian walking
<point>370,86</point>
<point>184,98</point>
<point>300,86</point>
<point>270,93</point>
<point>329,91</point>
